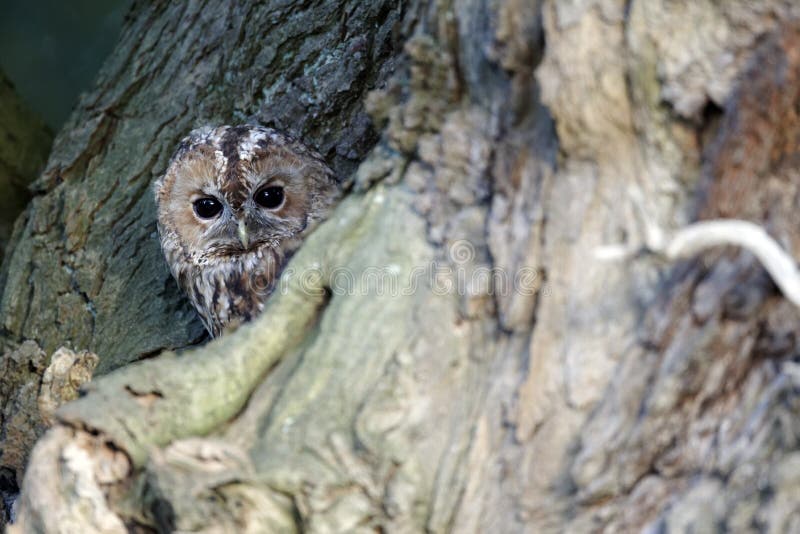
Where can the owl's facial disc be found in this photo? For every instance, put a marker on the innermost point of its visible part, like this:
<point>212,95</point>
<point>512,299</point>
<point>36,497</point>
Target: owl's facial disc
<point>233,206</point>
<point>234,231</point>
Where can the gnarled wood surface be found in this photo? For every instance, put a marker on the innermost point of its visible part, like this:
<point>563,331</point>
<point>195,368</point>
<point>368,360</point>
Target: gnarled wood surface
<point>447,353</point>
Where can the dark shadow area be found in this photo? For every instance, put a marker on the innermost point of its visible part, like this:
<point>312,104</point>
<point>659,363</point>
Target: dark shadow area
<point>51,50</point>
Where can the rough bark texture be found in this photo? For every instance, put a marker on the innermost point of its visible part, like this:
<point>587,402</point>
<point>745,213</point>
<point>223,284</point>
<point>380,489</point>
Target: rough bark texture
<point>523,385</point>
<point>24,144</point>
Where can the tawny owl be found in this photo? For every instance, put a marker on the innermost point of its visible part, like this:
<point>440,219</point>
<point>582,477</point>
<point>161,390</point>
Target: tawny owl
<point>233,205</point>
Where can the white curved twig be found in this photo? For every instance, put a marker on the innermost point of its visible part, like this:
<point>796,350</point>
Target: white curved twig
<point>703,235</point>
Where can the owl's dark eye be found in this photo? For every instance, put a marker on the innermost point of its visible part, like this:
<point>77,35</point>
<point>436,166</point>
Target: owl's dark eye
<point>207,208</point>
<point>270,197</point>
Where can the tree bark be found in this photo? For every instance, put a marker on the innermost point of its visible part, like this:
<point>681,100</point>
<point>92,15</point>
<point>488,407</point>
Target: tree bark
<point>24,144</point>
<point>455,349</point>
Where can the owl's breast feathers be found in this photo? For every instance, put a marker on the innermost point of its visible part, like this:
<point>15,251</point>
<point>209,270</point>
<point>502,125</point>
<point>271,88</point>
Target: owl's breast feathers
<point>228,293</point>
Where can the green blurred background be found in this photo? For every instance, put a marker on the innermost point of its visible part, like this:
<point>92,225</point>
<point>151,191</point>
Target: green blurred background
<point>52,49</point>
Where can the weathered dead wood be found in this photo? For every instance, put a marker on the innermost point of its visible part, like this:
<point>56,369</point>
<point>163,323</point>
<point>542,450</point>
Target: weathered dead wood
<point>590,396</point>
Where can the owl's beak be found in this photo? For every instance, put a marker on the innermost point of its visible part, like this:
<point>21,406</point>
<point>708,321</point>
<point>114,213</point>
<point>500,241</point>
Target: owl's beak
<point>242,231</point>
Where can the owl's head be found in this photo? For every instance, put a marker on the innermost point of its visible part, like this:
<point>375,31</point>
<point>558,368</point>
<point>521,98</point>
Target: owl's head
<point>234,191</point>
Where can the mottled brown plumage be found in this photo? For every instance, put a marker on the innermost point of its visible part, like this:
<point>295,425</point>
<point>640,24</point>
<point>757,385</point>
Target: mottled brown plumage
<point>233,205</point>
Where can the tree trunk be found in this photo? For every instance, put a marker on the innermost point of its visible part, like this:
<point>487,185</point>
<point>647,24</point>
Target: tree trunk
<point>493,332</point>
